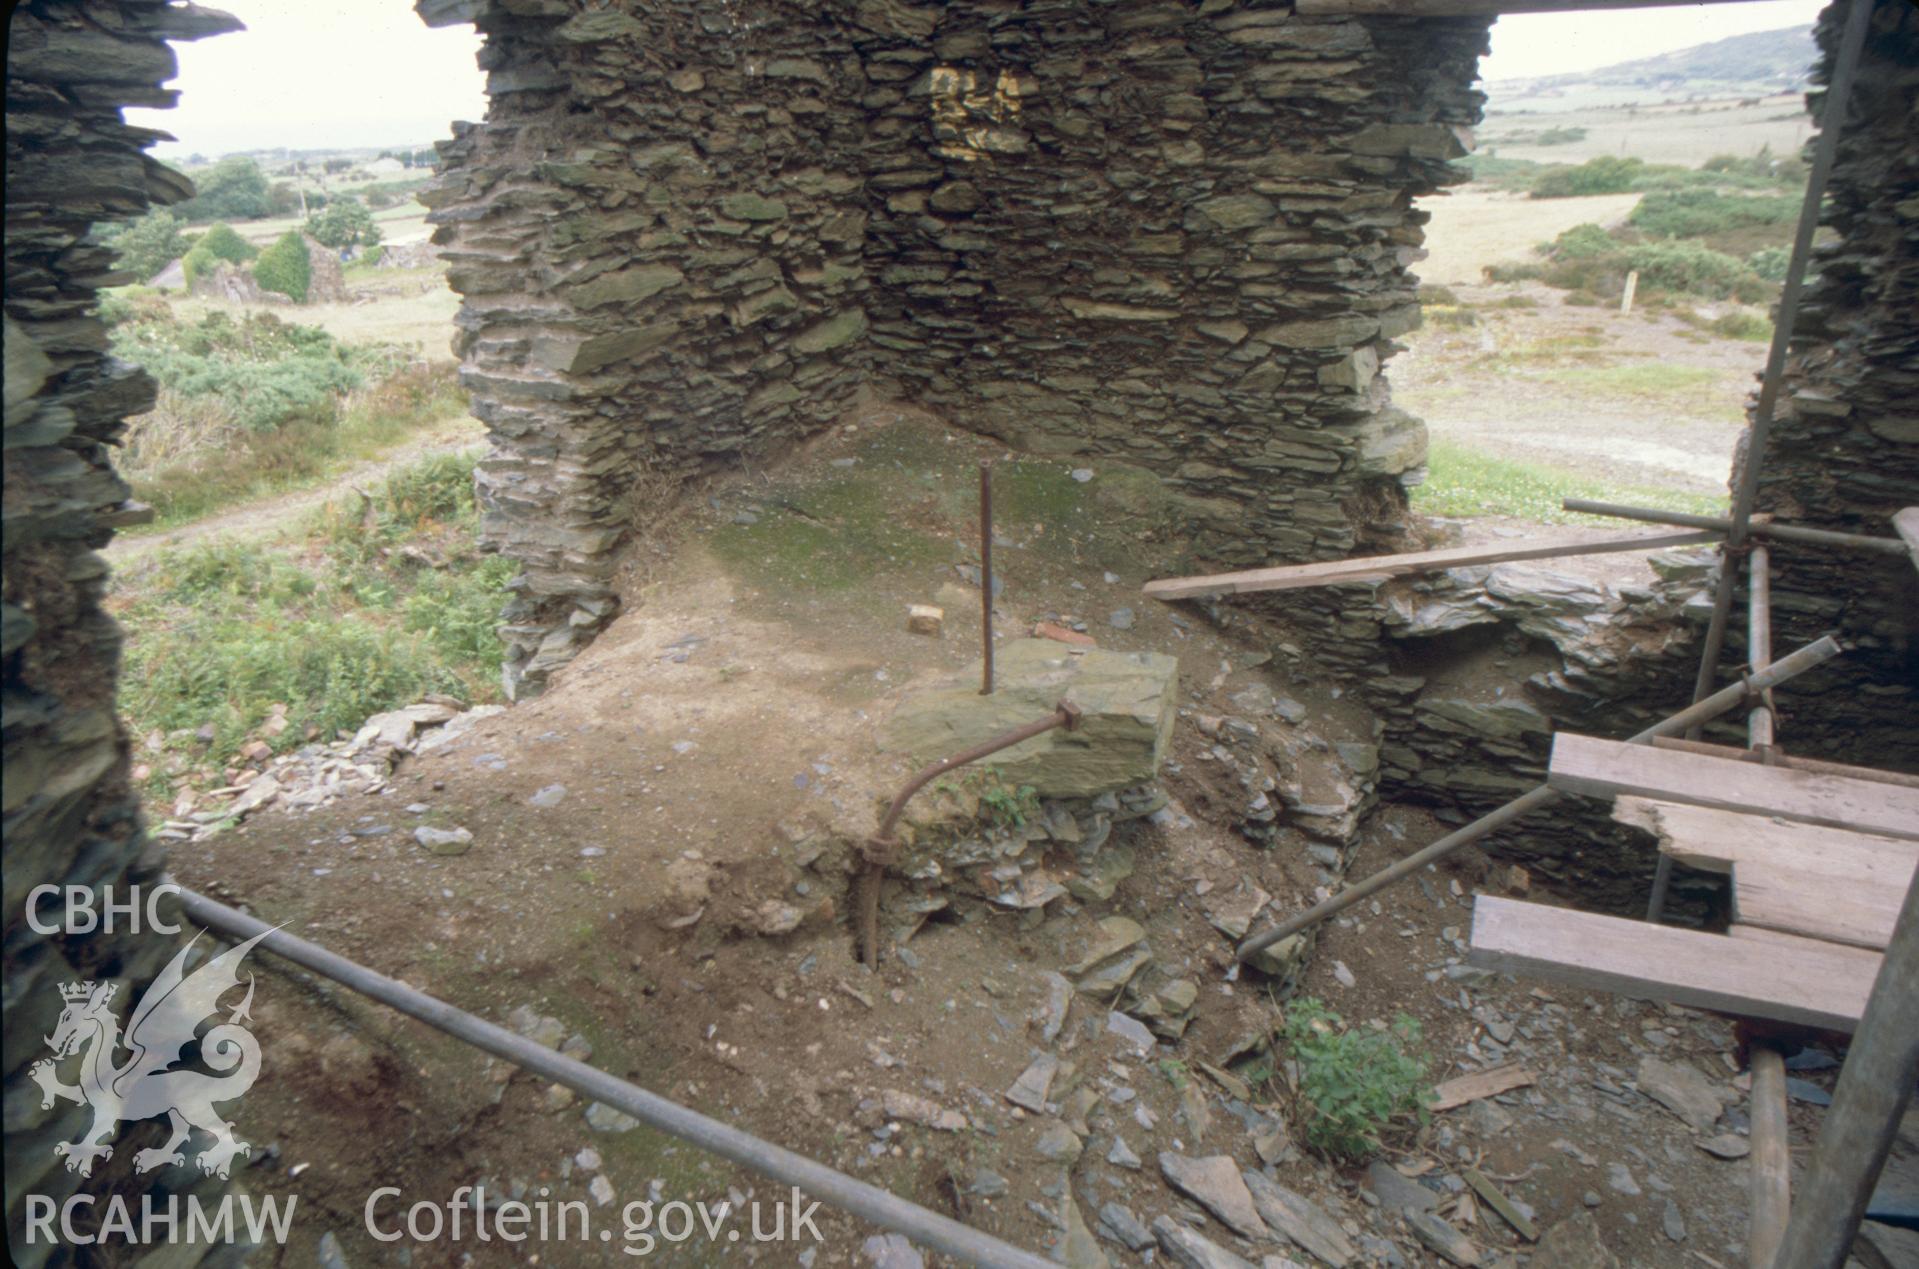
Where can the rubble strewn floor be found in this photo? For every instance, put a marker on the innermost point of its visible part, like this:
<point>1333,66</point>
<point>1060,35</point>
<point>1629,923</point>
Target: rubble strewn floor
<point>649,866</point>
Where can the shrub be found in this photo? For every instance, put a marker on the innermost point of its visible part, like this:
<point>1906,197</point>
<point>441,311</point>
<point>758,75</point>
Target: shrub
<point>198,263</point>
<point>1695,213</point>
<point>261,373</point>
<point>1605,174</point>
<point>345,221</point>
<point>223,242</point>
<point>284,267</point>
<point>1692,269</point>
<point>1356,1084</point>
<point>1560,136</point>
<point>1740,324</point>
<point>1770,263</point>
<point>147,245</point>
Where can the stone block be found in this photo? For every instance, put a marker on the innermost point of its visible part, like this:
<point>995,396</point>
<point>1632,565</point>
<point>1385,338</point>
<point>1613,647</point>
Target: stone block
<point>1126,700</point>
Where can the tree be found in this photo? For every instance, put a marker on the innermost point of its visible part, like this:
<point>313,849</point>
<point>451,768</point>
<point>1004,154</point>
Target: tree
<point>150,243</point>
<point>223,243</point>
<point>345,221</point>
<point>236,189</point>
<point>284,267</point>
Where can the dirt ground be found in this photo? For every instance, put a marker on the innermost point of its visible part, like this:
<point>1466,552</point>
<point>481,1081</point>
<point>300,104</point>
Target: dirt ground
<point>1638,399</point>
<point>702,758</point>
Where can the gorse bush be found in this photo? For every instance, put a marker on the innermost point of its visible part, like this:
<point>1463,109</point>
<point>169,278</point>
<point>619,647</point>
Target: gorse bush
<point>1587,258</point>
<point>264,373</point>
<point>284,267</point>
<point>1355,1085</point>
<point>1605,174</point>
<point>1696,213</point>
<point>1770,263</point>
<point>1617,174</point>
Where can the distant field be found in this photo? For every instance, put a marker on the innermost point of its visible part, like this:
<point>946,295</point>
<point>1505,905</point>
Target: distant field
<point>421,321</point>
<point>401,223</point>
<point>1474,227</point>
<point>1687,133</point>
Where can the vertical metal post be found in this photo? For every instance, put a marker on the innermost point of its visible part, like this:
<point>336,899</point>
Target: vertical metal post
<point>1770,1187</point>
<point>986,575</point>
<point>1761,723</point>
<point>1831,124</point>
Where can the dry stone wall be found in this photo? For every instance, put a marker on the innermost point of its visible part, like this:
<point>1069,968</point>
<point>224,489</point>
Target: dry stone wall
<point>71,817</point>
<point>1169,236</point>
<point>658,235</point>
<point>1173,236</point>
<point>1844,448</point>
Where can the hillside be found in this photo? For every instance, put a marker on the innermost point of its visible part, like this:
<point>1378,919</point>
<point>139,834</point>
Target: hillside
<point>1761,63</point>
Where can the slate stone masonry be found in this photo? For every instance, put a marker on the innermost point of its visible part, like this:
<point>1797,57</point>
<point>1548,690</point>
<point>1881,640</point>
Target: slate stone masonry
<point>71,816</point>
<point>1148,232</point>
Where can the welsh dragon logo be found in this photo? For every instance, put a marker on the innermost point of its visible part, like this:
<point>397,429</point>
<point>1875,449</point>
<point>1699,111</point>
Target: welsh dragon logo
<point>147,1083</point>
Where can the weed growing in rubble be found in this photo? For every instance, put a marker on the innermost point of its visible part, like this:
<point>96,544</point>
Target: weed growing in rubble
<point>1007,807</point>
<point>1354,1085</point>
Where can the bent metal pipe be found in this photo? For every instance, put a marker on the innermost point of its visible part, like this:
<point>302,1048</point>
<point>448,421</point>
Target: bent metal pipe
<point>881,847</point>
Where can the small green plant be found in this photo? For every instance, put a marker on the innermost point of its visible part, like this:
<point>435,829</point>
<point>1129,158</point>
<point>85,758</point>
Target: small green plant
<point>1007,807</point>
<point>1355,1085</point>
<point>284,267</point>
<point>1175,1073</point>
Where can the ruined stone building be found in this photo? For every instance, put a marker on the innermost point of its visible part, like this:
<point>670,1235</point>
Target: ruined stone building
<point>1178,235</point>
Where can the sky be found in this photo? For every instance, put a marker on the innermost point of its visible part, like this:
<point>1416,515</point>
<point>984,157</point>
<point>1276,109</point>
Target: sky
<point>314,74</point>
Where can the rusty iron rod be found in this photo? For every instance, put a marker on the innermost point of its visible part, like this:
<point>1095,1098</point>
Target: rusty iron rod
<point>1729,697</point>
<point>1754,528</point>
<point>1833,122</point>
<point>881,845</point>
<point>986,575</point>
<point>868,1202</point>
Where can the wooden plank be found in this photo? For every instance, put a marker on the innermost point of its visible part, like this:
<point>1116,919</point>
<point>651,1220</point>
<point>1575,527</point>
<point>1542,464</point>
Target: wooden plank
<point>1867,961</point>
<point>1608,768</point>
<point>1714,840</point>
<point>1769,1182</point>
<point>1807,985</point>
<point>1816,905</point>
<point>1373,568</point>
<point>1794,761</point>
<point>1478,1084</point>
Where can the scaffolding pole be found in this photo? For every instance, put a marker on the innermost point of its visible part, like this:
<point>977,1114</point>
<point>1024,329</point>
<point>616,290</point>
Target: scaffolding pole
<point>868,1202</point>
<point>1838,94</point>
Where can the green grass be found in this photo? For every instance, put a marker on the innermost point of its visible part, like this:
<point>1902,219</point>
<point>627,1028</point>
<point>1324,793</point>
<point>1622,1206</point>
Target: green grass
<point>297,455</point>
<point>1465,482</point>
<point>337,624</point>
